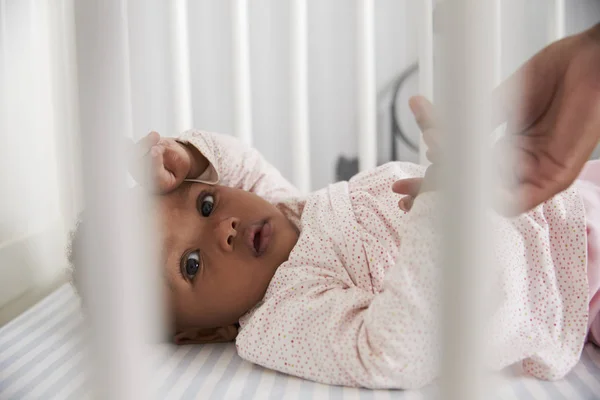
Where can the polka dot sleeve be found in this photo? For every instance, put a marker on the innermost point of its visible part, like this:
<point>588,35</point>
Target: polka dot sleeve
<point>233,164</point>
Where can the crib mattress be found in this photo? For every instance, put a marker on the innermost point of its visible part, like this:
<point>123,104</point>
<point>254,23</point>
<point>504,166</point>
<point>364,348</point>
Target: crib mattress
<point>42,357</point>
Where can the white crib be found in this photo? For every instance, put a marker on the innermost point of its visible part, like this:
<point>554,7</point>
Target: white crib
<point>41,352</point>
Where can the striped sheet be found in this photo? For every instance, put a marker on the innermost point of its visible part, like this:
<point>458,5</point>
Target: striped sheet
<point>42,356</point>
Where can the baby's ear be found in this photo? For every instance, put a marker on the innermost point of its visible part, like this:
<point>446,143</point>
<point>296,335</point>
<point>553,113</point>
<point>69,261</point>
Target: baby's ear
<point>212,335</point>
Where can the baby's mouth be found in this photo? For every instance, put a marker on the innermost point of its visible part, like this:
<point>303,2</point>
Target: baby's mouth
<point>259,236</point>
<point>257,241</point>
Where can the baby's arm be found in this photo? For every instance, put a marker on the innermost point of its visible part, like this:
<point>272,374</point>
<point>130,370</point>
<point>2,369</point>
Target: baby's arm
<point>234,164</point>
<point>344,336</point>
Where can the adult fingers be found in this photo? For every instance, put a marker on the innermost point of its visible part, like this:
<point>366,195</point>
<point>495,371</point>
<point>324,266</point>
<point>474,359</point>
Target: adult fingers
<point>526,174</point>
<point>519,199</point>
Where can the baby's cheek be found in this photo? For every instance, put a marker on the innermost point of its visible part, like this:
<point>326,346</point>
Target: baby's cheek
<point>252,282</point>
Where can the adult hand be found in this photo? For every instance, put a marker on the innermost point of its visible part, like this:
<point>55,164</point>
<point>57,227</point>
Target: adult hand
<point>552,109</point>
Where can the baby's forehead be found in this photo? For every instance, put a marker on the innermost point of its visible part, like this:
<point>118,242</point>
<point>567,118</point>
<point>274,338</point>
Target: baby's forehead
<point>149,202</point>
<point>139,194</point>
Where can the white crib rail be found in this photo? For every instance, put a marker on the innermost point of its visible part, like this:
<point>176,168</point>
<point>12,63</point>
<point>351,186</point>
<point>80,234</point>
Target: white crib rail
<point>181,66</point>
<point>299,121</point>
<point>497,42</point>
<point>366,86</point>
<point>557,21</point>
<point>242,95</point>
<point>3,65</point>
<point>425,60</point>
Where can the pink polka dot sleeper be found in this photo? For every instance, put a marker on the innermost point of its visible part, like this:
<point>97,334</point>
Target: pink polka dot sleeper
<point>356,302</point>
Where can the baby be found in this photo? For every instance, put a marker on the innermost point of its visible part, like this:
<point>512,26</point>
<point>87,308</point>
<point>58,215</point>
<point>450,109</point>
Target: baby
<point>340,286</point>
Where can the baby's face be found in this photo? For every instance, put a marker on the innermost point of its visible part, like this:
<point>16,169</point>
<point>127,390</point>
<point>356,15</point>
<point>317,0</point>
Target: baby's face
<point>221,248</point>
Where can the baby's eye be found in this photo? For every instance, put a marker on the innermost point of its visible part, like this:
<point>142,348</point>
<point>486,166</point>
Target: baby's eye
<point>192,264</point>
<point>206,205</point>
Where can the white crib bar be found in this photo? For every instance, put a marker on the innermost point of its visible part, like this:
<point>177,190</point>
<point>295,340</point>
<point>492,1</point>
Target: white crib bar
<point>3,28</point>
<point>497,42</point>
<point>299,129</point>
<point>242,96</point>
<point>466,81</point>
<point>557,20</point>
<point>425,60</point>
<point>3,52</point>
<point>117,301</point>
<point>60,35</point>
<point>367,90</point>
<point>183,116</point>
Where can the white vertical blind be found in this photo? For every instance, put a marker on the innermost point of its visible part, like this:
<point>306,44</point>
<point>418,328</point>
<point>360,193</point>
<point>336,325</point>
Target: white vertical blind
<point>425,60</point>
<point>367,90</point>
<point>118,273</point>
<point>242,96</point>
<point>299,96</point>
<point>183,118</point>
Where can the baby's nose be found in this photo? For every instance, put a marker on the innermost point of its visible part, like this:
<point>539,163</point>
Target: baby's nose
<point>227,231</point>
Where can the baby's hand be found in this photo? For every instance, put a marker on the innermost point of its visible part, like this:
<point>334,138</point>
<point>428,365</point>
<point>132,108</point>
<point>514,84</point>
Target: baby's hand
<point>160,163</point>
<point>412,187</point>
<point>424,114</point>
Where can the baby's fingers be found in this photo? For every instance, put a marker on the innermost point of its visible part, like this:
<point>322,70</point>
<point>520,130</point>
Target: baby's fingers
<point>144,145</point>
<point>423,111</point>
<point>406,203</point>
<point>156,159</point>
<point>160,178</point>
<point>425,117</point>
<point>410,186</point>
<point>136,156</point>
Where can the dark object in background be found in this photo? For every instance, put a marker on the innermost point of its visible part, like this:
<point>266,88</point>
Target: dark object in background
<point>346,168</point>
